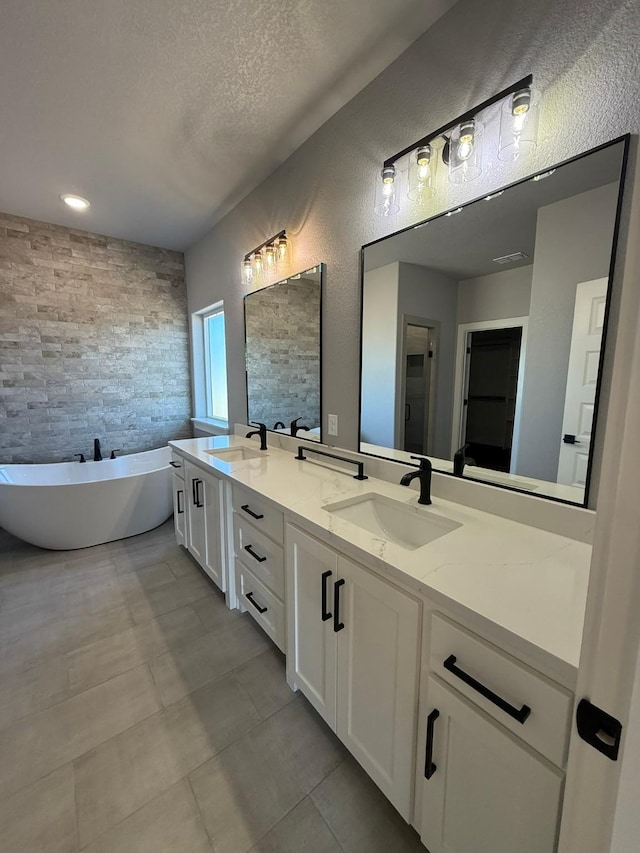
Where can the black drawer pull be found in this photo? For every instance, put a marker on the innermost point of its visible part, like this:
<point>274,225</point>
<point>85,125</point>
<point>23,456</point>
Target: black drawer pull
<point>255,603</point>
<point>255,556</point>
<point>429,767</point>
<point>250,512</point>
<point>337,624</point>
<point>179,494</point>
<point>198,502</point>
<point>194,491</point>
<point>325,613</point>
<point>175,464</point>
<point>519,714</point>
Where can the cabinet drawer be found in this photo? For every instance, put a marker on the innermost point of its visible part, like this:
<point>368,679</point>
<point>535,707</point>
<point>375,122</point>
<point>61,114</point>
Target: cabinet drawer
<point>527,703</point>
<point>261,603</point>
<point>259,513</point>
<point>261,553</point>
<point>177,465</point>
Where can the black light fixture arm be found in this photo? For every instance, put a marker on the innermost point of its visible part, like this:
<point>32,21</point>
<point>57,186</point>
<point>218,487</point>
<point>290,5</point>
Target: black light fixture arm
<point>472,113</point>
<point>275,237</point>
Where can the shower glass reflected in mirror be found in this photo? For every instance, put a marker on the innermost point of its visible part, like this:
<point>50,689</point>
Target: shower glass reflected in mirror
<point>284,354</point>
<point>482,332</point>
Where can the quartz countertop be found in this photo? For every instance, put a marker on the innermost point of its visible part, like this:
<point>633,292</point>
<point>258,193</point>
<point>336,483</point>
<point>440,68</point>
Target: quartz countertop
<point>524,585</point>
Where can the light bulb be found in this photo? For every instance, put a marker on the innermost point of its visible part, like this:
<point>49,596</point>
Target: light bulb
<point>386,202</point>
<point>75,201</point>
<point>282,248</point>
<point>466,140</point>
<point>520,102</point>
<point>270,256</point>
<point>423,159</point>
<point>257,263</point>
<point>247,270</point>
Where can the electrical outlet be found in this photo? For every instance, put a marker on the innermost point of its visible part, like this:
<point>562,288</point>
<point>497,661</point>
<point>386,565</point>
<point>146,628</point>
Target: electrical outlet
<point>332,424</point>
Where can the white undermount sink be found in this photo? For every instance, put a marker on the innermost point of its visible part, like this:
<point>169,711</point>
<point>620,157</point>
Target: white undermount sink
<point>236,454</point>
<point>408,526</point>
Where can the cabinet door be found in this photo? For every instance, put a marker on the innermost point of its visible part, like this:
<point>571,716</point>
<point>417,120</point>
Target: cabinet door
<point>214,554</point>
<point>194,488</point>
<point>179,509</point>
<point>378,679</point>
<point>488,792</point>
<point>311,638</point>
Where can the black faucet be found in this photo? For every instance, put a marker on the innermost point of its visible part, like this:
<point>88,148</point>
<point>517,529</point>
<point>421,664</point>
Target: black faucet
<point>295,429</point>
<point>278,425</point>
<point>460,459</point>
<point>81,455</point>
<point>424,473</point>
<point>97,455</point>
<point>261,431</point>
<point>113,453</point>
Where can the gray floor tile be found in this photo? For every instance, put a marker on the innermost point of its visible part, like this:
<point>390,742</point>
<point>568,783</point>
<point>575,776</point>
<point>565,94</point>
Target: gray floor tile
<point>39,743</point>
<point>302,831</point>
<point>243,792</point>
<point>208,720</point>
<point>194,664</point>
<point>147,577</point>
<point>169,824</point>
<point>360,816</point>
<point>148,604</point>
<point>40,817</point>
<point>106,658</point>
<point>33,689</point>
<point>214,613</point>
<point>264,679</point>
<point>118,777</point>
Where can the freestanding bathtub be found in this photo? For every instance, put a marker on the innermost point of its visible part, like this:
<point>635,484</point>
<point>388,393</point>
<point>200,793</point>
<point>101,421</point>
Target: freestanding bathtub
<point>69,505</point>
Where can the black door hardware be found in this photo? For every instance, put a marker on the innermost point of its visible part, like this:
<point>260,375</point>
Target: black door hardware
<point>519,714</point>
<point>570,439</point>
<point>429,767</point>
<point>599,729</point>
<point>255,556</point>
<point>179,494</point>
<point>360,465</point>
<point>193,491</point>
<point>196,492</point>
<point>255,603</point>
<point>407,412</point>
<point>325,613</point>
<point>337,624</point>
<point>252,514</point>
<point>172,462</point>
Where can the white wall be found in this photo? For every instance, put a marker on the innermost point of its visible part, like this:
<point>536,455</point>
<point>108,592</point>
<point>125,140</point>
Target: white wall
<point>573,244</point>
<point>379,368</point>
<point>583,58</point>
<point>495,296</point>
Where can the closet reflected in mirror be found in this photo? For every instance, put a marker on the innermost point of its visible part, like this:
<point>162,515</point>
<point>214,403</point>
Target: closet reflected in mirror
<point>283,354</point>
<point>482,331</point>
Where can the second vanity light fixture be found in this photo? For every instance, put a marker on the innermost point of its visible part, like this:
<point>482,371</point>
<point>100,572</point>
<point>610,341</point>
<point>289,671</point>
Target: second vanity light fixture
<point>266,257</point>
<point>461,143</point>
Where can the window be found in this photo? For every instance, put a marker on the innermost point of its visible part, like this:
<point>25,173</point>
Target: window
<point>215,365</point>
<point>210,367</point>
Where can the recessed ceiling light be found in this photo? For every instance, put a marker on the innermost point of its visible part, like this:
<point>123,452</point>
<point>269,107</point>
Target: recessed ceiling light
<point>75,201</point>
<point>510,259</point>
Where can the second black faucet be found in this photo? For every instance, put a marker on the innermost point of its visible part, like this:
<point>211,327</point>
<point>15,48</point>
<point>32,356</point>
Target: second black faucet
<point>424,473</point>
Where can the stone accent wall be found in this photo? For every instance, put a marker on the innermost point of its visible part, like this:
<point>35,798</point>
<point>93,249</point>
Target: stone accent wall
<point>283,353</point>
<point>93,343</point>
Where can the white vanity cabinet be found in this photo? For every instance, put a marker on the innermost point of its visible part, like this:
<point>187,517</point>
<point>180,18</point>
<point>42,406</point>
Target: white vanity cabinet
<point>179,502</point>
<point>258,531</point>
<point>204,522</point>
<point>493,745</point>
<point>353,641</point>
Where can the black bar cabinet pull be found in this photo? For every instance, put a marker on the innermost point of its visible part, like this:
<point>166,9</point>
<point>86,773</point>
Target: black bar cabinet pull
<point>250,512</point>
<point>359,465</point>
<point>255,556</point>
<point>179,494</point>
<point>325,613</point>
<point>429,767</point>
<point>337,624</point>
<point>197,489</point>
<point>255,603</point>
<point>194,493</point>
<point>519,714</point>
<point>175,464</point>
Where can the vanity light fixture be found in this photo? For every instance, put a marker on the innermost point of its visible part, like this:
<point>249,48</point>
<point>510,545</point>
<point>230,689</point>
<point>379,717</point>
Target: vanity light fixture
<point>464,140</point>
<point>75,202</point>
<point>265,257</point>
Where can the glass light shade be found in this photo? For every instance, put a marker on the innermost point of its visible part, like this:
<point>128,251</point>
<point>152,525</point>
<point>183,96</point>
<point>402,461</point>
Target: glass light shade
<point>465,152</point>
<point>257,264</point>
<point>247,271</point>
<point>283,249</point>
<point>270,256</point>
<point>386,199</point>
<point>422,173</point>
<point>519,124</point>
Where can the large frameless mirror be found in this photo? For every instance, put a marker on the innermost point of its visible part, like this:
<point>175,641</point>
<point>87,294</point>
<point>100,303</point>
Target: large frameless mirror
<point>283,354</point>
<point>482,331</point>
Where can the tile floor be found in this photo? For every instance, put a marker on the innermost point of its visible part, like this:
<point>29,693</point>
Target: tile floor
<point>139,715</point>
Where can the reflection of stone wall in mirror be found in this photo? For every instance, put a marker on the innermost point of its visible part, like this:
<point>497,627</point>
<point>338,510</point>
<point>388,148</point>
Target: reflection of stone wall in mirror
<point>573,244</point>
<point>283,354</point>
<point>563,230</point>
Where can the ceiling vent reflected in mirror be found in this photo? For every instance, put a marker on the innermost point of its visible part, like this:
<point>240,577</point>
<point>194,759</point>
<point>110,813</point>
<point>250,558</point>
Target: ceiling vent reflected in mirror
<point>510,259</point>
<point>461,144</point>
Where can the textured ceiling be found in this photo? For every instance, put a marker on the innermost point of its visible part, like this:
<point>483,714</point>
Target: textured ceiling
<point>165,114</point>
